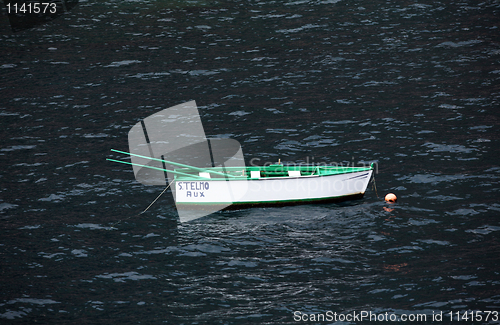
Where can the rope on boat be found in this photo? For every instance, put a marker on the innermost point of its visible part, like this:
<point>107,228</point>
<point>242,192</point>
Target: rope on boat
<point>166,188</point>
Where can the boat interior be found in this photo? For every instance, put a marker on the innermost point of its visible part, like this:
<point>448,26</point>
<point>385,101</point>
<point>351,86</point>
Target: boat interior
<point>264,172</point>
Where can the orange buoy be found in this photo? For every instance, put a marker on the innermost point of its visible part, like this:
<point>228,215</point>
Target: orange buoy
<point>391,198</point>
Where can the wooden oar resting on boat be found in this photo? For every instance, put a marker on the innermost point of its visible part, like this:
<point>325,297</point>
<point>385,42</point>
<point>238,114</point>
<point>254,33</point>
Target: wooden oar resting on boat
<point>202,170</point>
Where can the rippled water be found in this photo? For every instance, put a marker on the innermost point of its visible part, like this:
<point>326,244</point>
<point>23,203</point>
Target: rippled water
<point>413,86</point>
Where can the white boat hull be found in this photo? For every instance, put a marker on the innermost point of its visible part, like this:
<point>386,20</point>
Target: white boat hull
<point>271,191</point>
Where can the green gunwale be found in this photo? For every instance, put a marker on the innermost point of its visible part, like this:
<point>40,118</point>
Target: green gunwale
<point>266,172</point>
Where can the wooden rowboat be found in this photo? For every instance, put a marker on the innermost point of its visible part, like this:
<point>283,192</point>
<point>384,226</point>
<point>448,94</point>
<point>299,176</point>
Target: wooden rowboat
<point>273,185</point>
<point>228,188</point>
<point>208,175</point>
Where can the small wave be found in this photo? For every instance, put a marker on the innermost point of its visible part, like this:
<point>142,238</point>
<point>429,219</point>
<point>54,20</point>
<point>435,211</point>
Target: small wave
<point>121,63</point>
<point>299,29</point>
<point>22,147</point>
<point>459,44</point>
<point>92,226</point>
<point>6,206</point>
<point>53,198</point>
<point>484,230</point>
<point>122,277</point>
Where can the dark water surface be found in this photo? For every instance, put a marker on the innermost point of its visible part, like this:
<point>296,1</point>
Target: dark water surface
<point>413,86</point>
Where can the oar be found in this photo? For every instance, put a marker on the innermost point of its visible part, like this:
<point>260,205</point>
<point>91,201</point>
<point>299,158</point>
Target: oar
<point>176,164</point>
<point>156,168</point>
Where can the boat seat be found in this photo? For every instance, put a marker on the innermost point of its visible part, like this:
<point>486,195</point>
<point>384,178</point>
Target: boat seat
<point>255,174</point>
<point>204,174</point>
<point>294,173</point>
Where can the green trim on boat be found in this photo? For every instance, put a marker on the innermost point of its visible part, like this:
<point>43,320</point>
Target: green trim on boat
<point>268,172</point>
